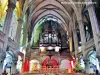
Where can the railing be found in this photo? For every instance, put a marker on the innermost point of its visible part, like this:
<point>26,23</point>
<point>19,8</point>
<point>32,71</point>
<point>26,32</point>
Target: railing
<point>51,71</point>
<point>53,74</point>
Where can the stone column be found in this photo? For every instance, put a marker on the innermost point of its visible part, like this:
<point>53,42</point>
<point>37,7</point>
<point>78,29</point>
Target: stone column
<point>28,53</point>
<point>82,34</point>
<point>75,41</point>
<point>25,30</point>
<point>11,6</point>
<point>70,43</point>
<point>18,32</point>
<point>94,25</point>
<point>24,35</point>
<point>70,36</point>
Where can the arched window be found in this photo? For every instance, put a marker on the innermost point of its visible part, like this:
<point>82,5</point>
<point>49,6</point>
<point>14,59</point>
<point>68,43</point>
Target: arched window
<point>87,24</point>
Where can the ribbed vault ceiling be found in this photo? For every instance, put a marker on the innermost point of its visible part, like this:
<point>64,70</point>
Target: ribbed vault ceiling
<point>60,9</point>
<point>38,7</point>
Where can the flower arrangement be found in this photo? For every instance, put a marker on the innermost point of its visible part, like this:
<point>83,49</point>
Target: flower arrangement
<point>78,68</point>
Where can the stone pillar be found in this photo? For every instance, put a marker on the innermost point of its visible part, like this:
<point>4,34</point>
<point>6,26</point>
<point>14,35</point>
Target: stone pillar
<point>25,30</point>
<point>24,35</point>
<point>70,36</point>
<point>18,32</point>
<point>11,6</point>
<point>70,43</point>
<point>82,34</point>
<point>28,54</point>
<point>75,41</point>
<point>94,25</point>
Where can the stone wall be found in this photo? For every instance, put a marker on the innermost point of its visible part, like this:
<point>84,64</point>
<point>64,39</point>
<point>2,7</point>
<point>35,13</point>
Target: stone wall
<point>13,45</point>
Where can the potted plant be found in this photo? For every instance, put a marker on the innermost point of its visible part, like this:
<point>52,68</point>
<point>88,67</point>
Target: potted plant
<point>78,68</point>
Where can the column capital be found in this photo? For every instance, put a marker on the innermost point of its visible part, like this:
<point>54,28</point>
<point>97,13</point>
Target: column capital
<point>89,3</point>
<point>20,21</point>
<point>12,4</point>
<point>88,6</point>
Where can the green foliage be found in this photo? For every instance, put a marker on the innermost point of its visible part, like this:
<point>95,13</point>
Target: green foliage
<point>36,34</point>
<point>78,68</point>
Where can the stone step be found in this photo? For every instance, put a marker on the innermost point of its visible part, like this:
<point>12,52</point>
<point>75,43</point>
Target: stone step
<point>53,74</point>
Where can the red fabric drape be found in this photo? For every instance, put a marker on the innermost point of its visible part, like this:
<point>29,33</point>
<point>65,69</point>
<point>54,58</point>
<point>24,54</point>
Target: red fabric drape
<point>26,65</point>
<point>54,62</point>
<point>71,67</point>
<point>45,62</point>
<point>74,62</point>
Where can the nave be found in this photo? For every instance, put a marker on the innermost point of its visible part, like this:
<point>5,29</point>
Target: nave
<point>49,37</point>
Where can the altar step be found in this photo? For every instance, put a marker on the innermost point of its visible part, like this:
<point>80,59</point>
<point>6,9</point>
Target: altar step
<point>53,74</point>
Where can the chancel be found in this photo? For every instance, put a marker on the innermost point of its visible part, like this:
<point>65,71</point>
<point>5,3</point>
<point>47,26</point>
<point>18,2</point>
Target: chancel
<point>49,37</point>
